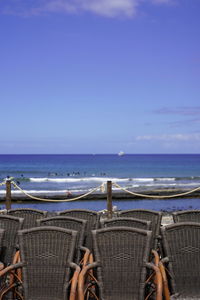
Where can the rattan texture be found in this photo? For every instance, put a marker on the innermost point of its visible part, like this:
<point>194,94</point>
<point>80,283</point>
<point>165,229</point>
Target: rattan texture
<point>68,223</point>
<point>11,225</point>
<point>46,252</point>
<point>29,215</point>
<point>92,218</point>
<point>121,253</point>
<point>181,244</point>
<point>1,237</point>
<point>129,222</point>
<point>186,216</point>
<point>150,215</point>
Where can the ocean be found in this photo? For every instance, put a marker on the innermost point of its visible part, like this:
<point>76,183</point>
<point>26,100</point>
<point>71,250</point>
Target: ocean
<point>78,174</point>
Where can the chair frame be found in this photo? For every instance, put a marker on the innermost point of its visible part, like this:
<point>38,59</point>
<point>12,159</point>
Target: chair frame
<point>186,216</point>
<point>84,285</point>
<point>25,266</point>
<point>24,212</point>
<point>129,222</point>
<point>177,260</point>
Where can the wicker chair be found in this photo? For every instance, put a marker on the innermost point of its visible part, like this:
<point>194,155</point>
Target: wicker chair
<point>149,215</point>
<point>30,216</point>
<point>11,225</point>
<point>69,223</point>
<point>46,262</point>
<point>129,222</point>
<point>181,244</point>
<point>121,262</point>
<point>93,220</point>
<point>186,216</point>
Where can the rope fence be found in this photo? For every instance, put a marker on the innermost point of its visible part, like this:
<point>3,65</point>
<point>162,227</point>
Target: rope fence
<point>56,200</point>
<point>9,182</point>
<point>154,196</point>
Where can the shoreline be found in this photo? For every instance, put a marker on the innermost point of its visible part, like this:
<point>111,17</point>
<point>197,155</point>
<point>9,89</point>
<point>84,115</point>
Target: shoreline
<point>115,196</point>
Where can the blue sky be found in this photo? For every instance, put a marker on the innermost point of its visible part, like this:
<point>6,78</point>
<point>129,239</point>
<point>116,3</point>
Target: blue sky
<point>99,76</point>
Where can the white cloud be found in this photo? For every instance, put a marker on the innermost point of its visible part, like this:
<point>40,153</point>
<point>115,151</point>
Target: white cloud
<point>110,8</point>
<point>170,137</point>
<point>107,8</point>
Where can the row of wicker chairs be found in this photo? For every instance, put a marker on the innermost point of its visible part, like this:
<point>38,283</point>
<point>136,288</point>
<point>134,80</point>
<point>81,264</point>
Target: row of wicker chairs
<point>74,255</point>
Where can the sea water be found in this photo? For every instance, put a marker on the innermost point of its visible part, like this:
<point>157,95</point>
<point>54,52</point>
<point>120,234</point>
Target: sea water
<point>78,174</point>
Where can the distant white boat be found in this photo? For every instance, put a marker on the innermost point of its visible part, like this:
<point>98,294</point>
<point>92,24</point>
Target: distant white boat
<point>121,153</point>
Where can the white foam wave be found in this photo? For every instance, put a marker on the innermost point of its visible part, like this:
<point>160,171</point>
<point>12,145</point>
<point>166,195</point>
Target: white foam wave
<point>165,179</point>
<point>47,192</point>
<point>143,179</point>
<point>82,179</point>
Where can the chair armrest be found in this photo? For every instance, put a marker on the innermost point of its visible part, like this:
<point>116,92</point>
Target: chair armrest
<point>82,278</point>
<point>10,268</point>
<point>156,257</point>
<point>165,281</point>
<point>86,255</point>
<point>159,284</point>
<point>74,280</point>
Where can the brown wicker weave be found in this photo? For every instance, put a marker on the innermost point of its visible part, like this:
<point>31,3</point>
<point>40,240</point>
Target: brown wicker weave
<point>121,258</point>
<point>181,244</point>
<point>68,223</point>
<point>129,222</point>
<point>186,216</point>
<point>1,237</point>
<point>92,218</point>
<point>46,261</point>
<point>30,216</point>
<point>149,215</point>
<point>11,225</point>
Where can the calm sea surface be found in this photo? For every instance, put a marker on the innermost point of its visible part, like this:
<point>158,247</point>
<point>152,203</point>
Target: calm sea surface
<point>58,174</point>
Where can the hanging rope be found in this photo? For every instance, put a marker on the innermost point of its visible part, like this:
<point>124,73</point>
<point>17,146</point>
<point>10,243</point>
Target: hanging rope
<point>54,200</point>
<point>153,196</point>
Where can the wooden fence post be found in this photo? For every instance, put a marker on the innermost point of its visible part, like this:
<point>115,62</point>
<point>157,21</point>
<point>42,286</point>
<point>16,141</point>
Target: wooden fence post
<point>109,199</point>
<point>8,194</point>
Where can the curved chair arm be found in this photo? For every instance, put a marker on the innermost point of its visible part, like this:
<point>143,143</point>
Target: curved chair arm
<point>159,283</point>
<point>74,281</point>
<point>86,255</point>
<point>156,257</point>
<point>82,278</point>
<point>10,268</point>
<point>165,281</point>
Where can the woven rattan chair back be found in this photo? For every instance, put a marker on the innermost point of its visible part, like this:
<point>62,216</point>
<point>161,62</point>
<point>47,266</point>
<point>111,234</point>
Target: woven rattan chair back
<point>129,222</point>
<point>29,215</point>
<point>92,218</point>
<point>121,253</point>
<point>181,244</point>
<point>186,216</point>
<point>46,252</point>
<point>68,223</point>
<point>11,225</point>
<point>150,215</point>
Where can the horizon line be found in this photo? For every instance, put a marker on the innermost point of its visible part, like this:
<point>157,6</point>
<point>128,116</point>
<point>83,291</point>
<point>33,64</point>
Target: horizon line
<point>99,154</point>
